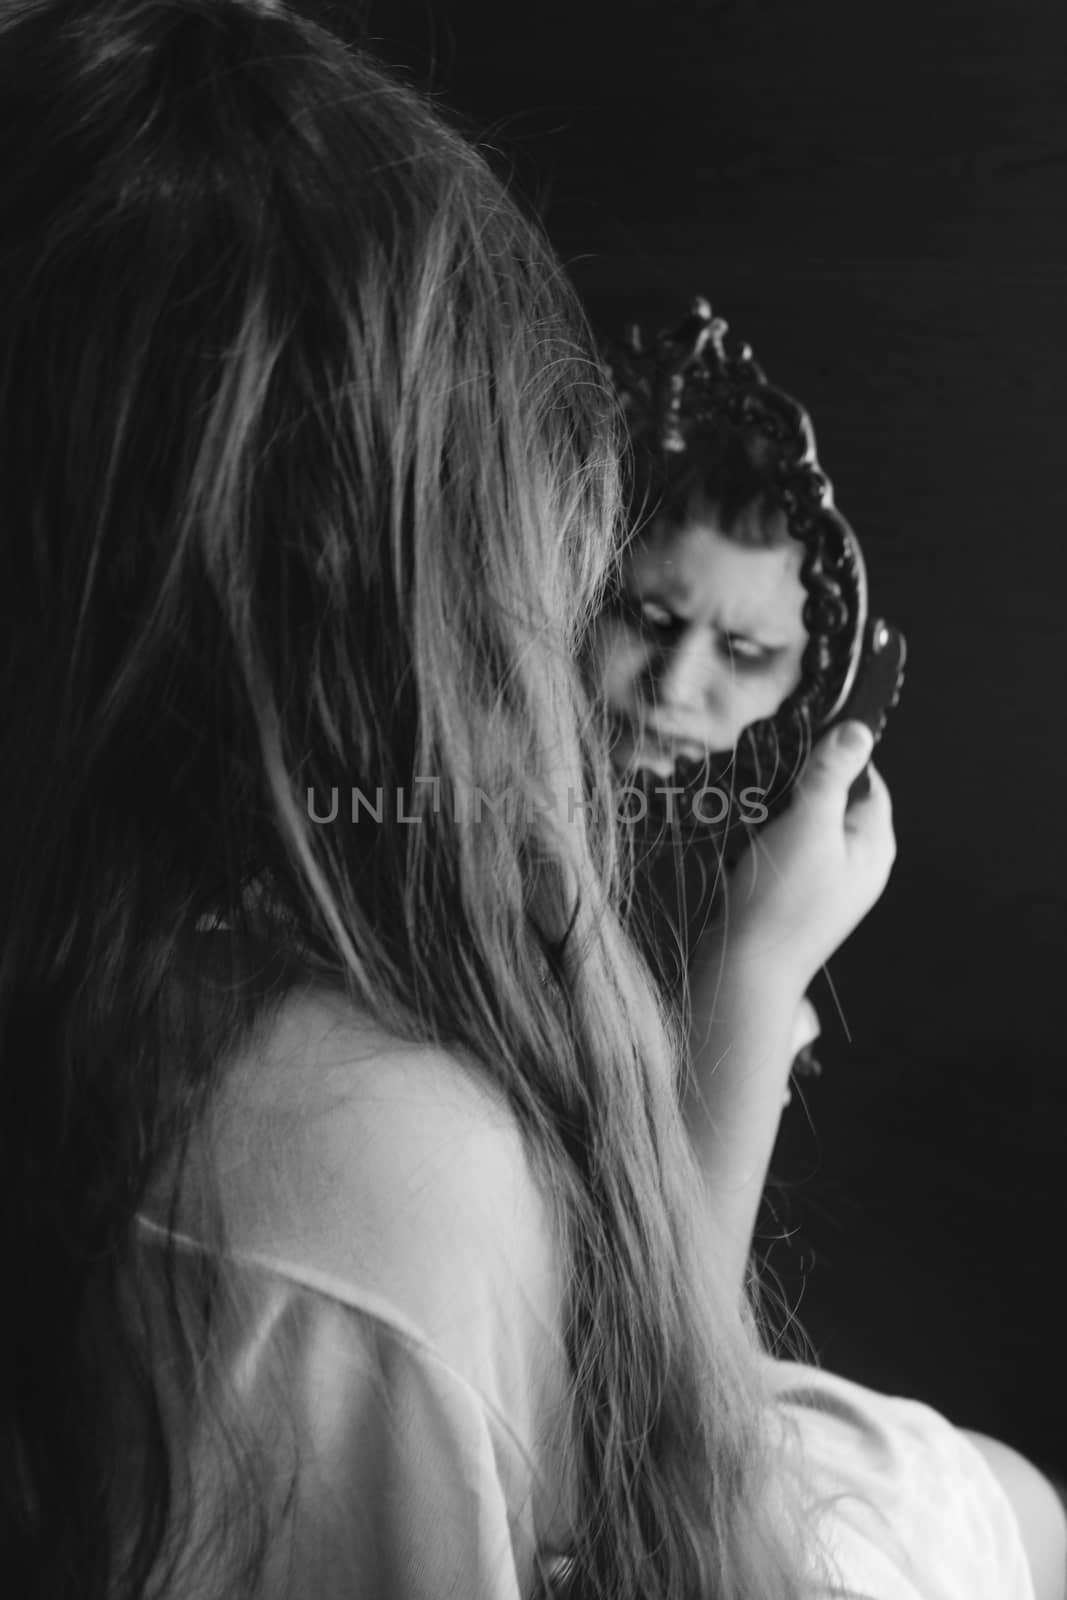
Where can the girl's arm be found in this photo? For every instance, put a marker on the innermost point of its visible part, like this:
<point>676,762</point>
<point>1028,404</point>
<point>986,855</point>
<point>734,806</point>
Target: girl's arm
<point>808,879</point>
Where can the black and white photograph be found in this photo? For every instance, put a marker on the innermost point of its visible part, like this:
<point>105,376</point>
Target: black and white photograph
<point>533,862</point>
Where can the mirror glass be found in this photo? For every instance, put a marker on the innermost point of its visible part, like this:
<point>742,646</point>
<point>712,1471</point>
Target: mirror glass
<point>734,634</point>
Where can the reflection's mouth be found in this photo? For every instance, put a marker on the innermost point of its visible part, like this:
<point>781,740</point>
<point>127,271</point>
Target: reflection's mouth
<point>637,747</point>
<point>683,783</point>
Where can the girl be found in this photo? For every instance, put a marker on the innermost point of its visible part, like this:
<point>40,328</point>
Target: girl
<point>372,1238</point>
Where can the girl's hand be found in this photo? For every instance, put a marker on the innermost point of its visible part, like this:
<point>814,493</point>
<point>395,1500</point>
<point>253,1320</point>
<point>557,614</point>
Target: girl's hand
<point>810,877</point>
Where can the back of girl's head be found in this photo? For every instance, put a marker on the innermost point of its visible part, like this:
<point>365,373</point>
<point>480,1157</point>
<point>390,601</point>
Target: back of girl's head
<point>307,485</point>
<point>296,442</point>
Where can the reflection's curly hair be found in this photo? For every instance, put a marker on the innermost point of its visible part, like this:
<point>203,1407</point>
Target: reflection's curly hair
<point>306,470</point>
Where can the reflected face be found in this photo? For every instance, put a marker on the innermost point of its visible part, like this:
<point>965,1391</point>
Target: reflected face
<point>712,641</point>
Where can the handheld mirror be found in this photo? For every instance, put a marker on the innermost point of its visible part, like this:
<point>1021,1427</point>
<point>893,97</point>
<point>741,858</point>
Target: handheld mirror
<point>737,629</point>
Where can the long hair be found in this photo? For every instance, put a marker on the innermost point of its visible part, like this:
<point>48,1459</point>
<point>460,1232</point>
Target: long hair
<point>307,479</point>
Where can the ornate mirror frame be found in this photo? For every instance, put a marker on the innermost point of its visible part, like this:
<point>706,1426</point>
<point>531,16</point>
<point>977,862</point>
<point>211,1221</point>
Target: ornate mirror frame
<point>677,394</point>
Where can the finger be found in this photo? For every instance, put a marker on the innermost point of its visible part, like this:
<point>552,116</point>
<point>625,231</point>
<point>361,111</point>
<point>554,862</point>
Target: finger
<point>835,764</point>
<point>861,787</point>
<point>869,827</point>
<point>875,806</point>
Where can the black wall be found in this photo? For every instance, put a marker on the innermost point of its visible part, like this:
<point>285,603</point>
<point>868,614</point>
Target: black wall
<point>875,197</point>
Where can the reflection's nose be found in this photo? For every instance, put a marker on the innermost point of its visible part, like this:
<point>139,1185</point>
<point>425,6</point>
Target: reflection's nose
<point>691,678</point>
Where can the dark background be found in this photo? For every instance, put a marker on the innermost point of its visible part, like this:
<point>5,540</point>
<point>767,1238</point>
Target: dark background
<point>875,197</point>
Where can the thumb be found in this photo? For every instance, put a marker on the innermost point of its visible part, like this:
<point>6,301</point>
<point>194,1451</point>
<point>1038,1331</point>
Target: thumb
<point>837,761</point>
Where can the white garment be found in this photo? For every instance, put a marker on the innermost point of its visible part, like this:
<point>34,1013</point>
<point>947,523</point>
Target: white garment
<point>399,1289</point>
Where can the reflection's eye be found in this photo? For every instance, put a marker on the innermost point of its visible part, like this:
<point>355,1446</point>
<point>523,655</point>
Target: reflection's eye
<point>656,615</point>
<point>747,652</point>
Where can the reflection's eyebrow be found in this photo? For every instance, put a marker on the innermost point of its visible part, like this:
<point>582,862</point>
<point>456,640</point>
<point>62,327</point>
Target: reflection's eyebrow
<point>741,628</point>
<point>663,589</point>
